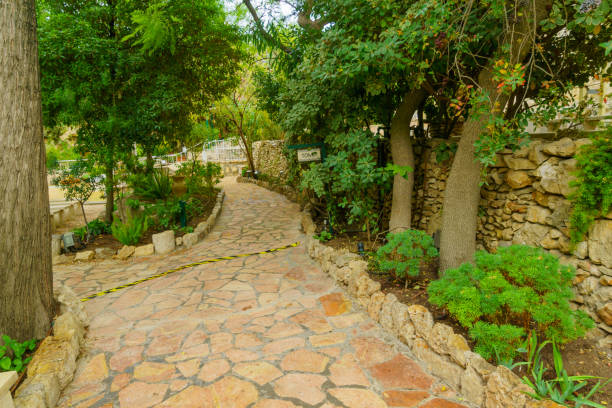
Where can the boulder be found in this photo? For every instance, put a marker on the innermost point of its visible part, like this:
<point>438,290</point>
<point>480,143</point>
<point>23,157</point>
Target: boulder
<point>505,390</point>
<point>144,250</point>
<point>438,339</point>
<point>479,364</point>
<point>54,356</point>
<point>190,239</point>
<point>422,320</point>
<point>472,386</point>
<point>538,214</point>
<point>535,153</point>
<point>517,179</point>
<point>555,176</point>
<point>449,372</point>
<point>407,334</point>
<point>600,242</point>
<point>164,242</point>
<point>104,253</point>
<point>519,163</point>
<point>563,148</point>
<point>605,313</point>
<point>530,234</point>
<point>125,252</point>
<point>457,347</point>
<point>376,302</point>
<point>386,312</point>
<point>84,256</point>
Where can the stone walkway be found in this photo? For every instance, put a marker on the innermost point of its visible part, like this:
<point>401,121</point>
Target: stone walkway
<point>267,331</point>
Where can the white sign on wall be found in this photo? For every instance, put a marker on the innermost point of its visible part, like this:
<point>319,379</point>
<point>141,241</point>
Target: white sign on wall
<point>307,155</point>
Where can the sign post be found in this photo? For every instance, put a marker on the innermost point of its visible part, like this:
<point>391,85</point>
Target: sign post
<point>310,152</point>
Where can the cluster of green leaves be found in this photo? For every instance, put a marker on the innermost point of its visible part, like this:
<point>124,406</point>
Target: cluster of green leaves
<point>200,177</point>
<point>561,388</point>
<point>405,252</point>
<point>324,235</point>
<point>79,181</point>
<point>156,185</point>
<point>593,195</point>
<point>12,354</point>
<point>95,228</point>
<point>59,151</point>
<point>502,296</point>
<point>130,231</point>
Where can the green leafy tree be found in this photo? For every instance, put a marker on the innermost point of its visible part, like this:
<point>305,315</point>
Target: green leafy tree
<point>129,72</point>
<point>78,183</point>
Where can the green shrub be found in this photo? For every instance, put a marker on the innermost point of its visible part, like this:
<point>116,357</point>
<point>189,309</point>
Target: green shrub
<point>200,178</point>
<point>129,233</point>
<point>156,185</point>
<point>12,354</point>
<point>504,295</point>
<point>404,251</point>
<point>593,195</point>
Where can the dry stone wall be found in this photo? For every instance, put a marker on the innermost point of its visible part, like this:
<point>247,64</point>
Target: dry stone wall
<point>269,158</point>
<point>525,201</point>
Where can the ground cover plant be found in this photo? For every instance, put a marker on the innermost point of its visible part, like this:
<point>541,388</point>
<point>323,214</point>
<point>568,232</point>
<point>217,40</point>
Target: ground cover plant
<point>503,296</point>
<point>404,253</point>
<point>14,355</point>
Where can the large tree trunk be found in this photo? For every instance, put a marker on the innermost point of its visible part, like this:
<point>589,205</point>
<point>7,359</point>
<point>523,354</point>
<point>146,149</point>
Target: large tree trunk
<point>26,280</point>
<point>403,155</point>
<point>462,195</point>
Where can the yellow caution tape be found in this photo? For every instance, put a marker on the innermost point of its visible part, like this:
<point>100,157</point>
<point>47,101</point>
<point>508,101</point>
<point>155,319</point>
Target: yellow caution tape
<point>191,265</point>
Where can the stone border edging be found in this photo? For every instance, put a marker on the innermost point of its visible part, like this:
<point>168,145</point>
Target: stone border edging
<point>444,353</point>
<point>54,363</point>
<point>289,192</point>
<point>163,242</point>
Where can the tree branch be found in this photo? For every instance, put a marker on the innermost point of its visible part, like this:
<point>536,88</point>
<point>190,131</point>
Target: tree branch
<point>262,30</point>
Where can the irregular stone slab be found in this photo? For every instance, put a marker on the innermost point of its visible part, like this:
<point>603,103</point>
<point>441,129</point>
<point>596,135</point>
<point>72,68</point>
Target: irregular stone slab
<point>357,398</point>
<point>305,387</point>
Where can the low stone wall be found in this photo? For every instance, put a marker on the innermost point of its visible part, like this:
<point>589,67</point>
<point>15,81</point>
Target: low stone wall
<point>288,191</point>
<point>445,353</point>
<point>54,363</point>
<point>525,202</point>
<point>163,243</point>
<point>269,158</point>
<point>59,215</point>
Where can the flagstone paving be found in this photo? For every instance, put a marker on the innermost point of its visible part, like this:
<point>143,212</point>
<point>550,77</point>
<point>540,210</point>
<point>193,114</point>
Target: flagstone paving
<point>267,331</point>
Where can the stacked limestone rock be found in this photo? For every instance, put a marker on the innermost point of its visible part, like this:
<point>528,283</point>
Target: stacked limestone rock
<point>269,158</point>
<point>525,201</point>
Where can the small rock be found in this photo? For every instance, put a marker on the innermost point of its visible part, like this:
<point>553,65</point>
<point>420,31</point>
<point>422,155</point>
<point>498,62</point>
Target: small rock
<point>144,250</point>
<point>538,214</point>
<point>605,313</point>
<point>125,252</point>
<point>376,301</point>
<point>178,241</point>
<point>84,256</point>
<point>104,253</point>
<point>422,320</point>
<point>61,259</point>
<point>164,242</point>
<point>517,179</point>
<point>472,387</point>
<point>563,148</point>
<point>600,237</point>
<point>190,239</point>
<point>519,164</point>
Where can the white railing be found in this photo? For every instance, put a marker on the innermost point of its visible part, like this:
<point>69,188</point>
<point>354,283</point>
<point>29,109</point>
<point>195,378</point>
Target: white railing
<point>225,150</point>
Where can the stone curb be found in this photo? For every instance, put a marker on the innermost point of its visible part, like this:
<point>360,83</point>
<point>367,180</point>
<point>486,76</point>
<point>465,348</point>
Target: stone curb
<point>444,353</point>
<point>54,363</point>
<point>163,243</point>
<point>289,192</point>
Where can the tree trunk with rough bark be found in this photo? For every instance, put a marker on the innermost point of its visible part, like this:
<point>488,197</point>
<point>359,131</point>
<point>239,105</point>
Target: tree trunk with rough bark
<point>26,280</point>
<point>462,194</point>
<point>109,184</point>
<point>403,155</point>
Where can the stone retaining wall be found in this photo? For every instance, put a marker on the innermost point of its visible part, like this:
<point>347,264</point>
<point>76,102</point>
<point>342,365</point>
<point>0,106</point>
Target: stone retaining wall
<point>445,353</point>
<point>525,202</point>
<point>269,158</point>
<point>54,363</point>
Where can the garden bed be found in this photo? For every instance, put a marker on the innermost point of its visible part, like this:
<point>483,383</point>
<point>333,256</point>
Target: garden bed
<point>109,241</point>
<point>580,357</point>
